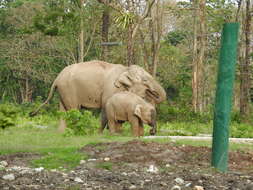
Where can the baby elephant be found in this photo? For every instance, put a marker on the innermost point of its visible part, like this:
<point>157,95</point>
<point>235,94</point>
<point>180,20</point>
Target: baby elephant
<point>126,106</point>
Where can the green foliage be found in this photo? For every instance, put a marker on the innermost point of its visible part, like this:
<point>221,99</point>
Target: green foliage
<point>175,37</point>
<point>105,165</point>
<point>241,130</point>
<point>169,113</point>
<point>80,123</point>
<point>8,113</point>
<point>125,19</point>
<point>60,158</point>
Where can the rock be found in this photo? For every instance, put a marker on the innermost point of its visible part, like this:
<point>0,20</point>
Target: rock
<point>78,180</point>
<point>197,187</point>
<point>152,169</point>
<point>92,159</point>
<point>132,187</point>
<point>82,161</point>
<point>167,165</point>
<point>179,180</point>
<point>3,163</point>
<point>249,187</point>
<point>9,177</point>
<point>25,171</point>
<point>107,159</point>
<point>188,184</point>
<point>176,187</point>
<point>124,173</point>
<point>40,169</point>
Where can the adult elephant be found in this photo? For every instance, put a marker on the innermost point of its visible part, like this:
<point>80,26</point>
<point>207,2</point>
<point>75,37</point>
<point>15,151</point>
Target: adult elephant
<point>90,84</point>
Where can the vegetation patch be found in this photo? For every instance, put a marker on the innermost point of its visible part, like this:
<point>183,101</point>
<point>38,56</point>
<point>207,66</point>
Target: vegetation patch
<point>60,158</point>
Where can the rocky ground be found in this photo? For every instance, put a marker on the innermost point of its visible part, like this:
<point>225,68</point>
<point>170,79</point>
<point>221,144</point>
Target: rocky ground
<point>133,165</point>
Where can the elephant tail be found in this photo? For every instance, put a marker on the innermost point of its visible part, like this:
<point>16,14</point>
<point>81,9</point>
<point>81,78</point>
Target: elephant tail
<point>31,114</point>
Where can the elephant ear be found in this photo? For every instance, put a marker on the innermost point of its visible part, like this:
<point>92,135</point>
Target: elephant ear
<point>137,111</point>
<point>123,80</point>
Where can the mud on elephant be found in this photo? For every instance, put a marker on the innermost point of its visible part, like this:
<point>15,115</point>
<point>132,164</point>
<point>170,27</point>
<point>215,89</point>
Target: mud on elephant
<point>126,106</point>
<point>90,84</point>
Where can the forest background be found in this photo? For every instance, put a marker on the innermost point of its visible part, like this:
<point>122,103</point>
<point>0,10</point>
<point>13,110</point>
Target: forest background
<point>176,41</point>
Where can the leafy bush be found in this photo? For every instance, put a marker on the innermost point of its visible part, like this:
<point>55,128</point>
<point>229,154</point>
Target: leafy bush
<point>241,130</point>
<point>169,113</point>
<point>8,113</point>
<point>80,123</point>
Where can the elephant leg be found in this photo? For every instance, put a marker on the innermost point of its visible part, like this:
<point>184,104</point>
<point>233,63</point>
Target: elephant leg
<point>135,126</point>
<point>112,126</point>
<point>62,124</point>
<point>141,129</point>
<point>104,121</point>
<point>118,127</point>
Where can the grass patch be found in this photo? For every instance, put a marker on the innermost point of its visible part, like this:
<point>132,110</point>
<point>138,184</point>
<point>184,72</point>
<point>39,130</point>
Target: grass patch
<point>39,135</point>
<point>105,165</point>
<point>58,158</point>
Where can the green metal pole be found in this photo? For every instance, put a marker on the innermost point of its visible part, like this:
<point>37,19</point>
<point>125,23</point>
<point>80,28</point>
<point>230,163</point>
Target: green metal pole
<point>224,91</point>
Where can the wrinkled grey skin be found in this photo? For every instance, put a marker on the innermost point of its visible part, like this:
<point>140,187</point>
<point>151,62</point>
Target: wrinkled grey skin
<point>127,106</point>
<point>90,84</point>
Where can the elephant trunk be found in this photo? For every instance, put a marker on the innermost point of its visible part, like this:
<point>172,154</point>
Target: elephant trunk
<point>153,123</point>
<point>157,93</point>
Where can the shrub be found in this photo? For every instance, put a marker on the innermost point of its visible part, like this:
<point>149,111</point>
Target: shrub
<point>8,113</point>
<point>169,113</point>
<point>80,122</point>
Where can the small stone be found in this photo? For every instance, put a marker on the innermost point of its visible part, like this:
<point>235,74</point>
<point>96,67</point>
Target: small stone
<point>188,184</point>
<point>163,184</point>
<point>53,170</point>
<point>92,159</point>
<point>167,165</point>
<point>9,177</point>
<point>40,169</point>
<point>3,163</point>
<point>249,187</point>
<point>82,161</point>
<point>107,159</point>
<point>197,187</point>
<point>16,168</point>
<point>132,187</point>
<point>124,173</point>
<point>176,187</point>
<point>78,180</point>
<point>179,180</point>
<point>152,169</point>
<point>66,180</point>
<point>25,171</point>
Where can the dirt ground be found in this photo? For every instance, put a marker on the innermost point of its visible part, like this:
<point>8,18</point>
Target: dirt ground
<point>134,165</point>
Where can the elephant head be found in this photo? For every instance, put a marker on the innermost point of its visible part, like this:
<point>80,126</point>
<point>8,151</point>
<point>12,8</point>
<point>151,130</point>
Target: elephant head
<point>140,82</point>
<point>147,114</point>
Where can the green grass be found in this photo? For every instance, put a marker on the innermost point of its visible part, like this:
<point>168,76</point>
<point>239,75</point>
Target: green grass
<point>105,165</point>
<point>57,150</point>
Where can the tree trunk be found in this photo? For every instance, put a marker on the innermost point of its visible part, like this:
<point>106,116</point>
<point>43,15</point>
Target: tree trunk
<point>245,65</point>
<point>202,44</point>
<point>199,43</point>
<point>81,37</point>
<point>130,46</point>
<point>194,60</point>
<point>105,30</point>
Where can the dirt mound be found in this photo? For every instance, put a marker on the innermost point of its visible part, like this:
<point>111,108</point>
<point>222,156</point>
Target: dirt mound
<point>125,166</point>
<point>146,153</point>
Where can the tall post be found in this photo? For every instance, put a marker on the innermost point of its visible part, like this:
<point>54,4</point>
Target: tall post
<point>224,91</point>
